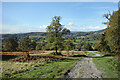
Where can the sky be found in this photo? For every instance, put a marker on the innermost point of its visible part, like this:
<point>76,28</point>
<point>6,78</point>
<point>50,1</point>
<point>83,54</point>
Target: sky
<point>22,17</point>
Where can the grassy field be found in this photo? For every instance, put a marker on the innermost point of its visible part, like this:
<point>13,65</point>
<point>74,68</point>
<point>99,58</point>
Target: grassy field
<point>109,65</point>
<point>38,69</point>
<point>86,41</point>
<point>92,41</point>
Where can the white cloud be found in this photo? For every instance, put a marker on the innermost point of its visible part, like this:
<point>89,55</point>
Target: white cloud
<point>23,28</point>
<point>105,27</point>
<point>43,26</point>
<point>74,27</point>
<point>96,27</point>
<point>92,28</point>
<point>70,24</point>
<point>10,29</point>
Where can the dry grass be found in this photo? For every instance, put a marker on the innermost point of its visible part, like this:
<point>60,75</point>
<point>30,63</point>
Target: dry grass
<point>16,67</point>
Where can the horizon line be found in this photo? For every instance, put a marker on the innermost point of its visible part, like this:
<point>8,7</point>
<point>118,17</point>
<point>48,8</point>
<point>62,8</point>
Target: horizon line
<point>47,32</point>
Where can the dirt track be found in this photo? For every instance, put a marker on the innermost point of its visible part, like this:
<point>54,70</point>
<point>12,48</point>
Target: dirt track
<point>85,68</point>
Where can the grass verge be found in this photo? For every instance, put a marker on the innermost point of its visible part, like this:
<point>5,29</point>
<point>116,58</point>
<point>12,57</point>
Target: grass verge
<point>109,65</point>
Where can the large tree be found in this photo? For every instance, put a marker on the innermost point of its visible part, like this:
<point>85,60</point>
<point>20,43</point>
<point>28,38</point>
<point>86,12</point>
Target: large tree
<point>112,35</point>
<point>55,32</point>
<point>10,44</point>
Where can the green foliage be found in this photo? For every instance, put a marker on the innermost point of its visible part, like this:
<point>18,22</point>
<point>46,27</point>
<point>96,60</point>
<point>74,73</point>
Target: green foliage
<point>112,36</point>
<point>79,45</point>
<point>10,44</point>
<point>103,44</point>
<point>25,44</point>
<point>87,47</point>
<point>55,33</point>
<point>68,45</point>
<point>33,45</point>
<point>47,46</point>
<point>40,37</point>
<point>109,65</point>
<point>38,46</point>
<point>97,47</point>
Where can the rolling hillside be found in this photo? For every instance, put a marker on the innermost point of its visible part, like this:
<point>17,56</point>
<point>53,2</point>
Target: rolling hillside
<point>41,35</point>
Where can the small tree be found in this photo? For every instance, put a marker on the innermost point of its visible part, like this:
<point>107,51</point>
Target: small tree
<point>38,46</point>
<point>79,45</point>
<point>68,45</point>
<point>97,47</point>
<point>55,33</point>
<point>87,47</point>
<point>10,44</point>
<point>25,45</point>
<point>33,45</point>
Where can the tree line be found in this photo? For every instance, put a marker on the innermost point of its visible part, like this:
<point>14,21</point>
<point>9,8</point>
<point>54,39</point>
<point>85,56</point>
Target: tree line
<point>12,44</point>
<point>110,40</point>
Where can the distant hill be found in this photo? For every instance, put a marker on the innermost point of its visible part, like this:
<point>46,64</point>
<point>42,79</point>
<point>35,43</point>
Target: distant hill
<point>41,35</point>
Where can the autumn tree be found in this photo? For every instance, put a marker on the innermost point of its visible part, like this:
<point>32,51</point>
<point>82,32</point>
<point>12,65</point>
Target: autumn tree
<point>10,44</point>
<point>55,32</point>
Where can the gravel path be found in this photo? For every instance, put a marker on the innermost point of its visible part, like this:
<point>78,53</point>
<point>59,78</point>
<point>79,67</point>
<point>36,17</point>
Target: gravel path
<point>85,68</point>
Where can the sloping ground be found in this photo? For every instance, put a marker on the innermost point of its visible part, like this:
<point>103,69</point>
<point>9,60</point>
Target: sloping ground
<point>85,68</point>
<point>44,66</point>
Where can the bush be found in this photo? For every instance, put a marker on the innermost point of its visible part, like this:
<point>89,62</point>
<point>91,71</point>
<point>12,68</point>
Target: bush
<point>97,47</point>
<point>87,47</point>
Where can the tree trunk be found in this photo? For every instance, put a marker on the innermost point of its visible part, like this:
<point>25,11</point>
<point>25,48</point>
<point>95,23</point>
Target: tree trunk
<point>27,54</point>
<point>56,50</point>
<point>68,52</point>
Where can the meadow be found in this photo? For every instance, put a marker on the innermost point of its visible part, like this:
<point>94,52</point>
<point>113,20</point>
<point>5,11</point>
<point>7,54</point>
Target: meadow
<point>40,68</point>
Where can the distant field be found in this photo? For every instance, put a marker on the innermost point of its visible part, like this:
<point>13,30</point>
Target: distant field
<point>86,41</point>
<point>93,41</point>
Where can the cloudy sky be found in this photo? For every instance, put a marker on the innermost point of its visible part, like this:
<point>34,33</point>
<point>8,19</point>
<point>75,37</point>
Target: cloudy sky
<point>22,17</point>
